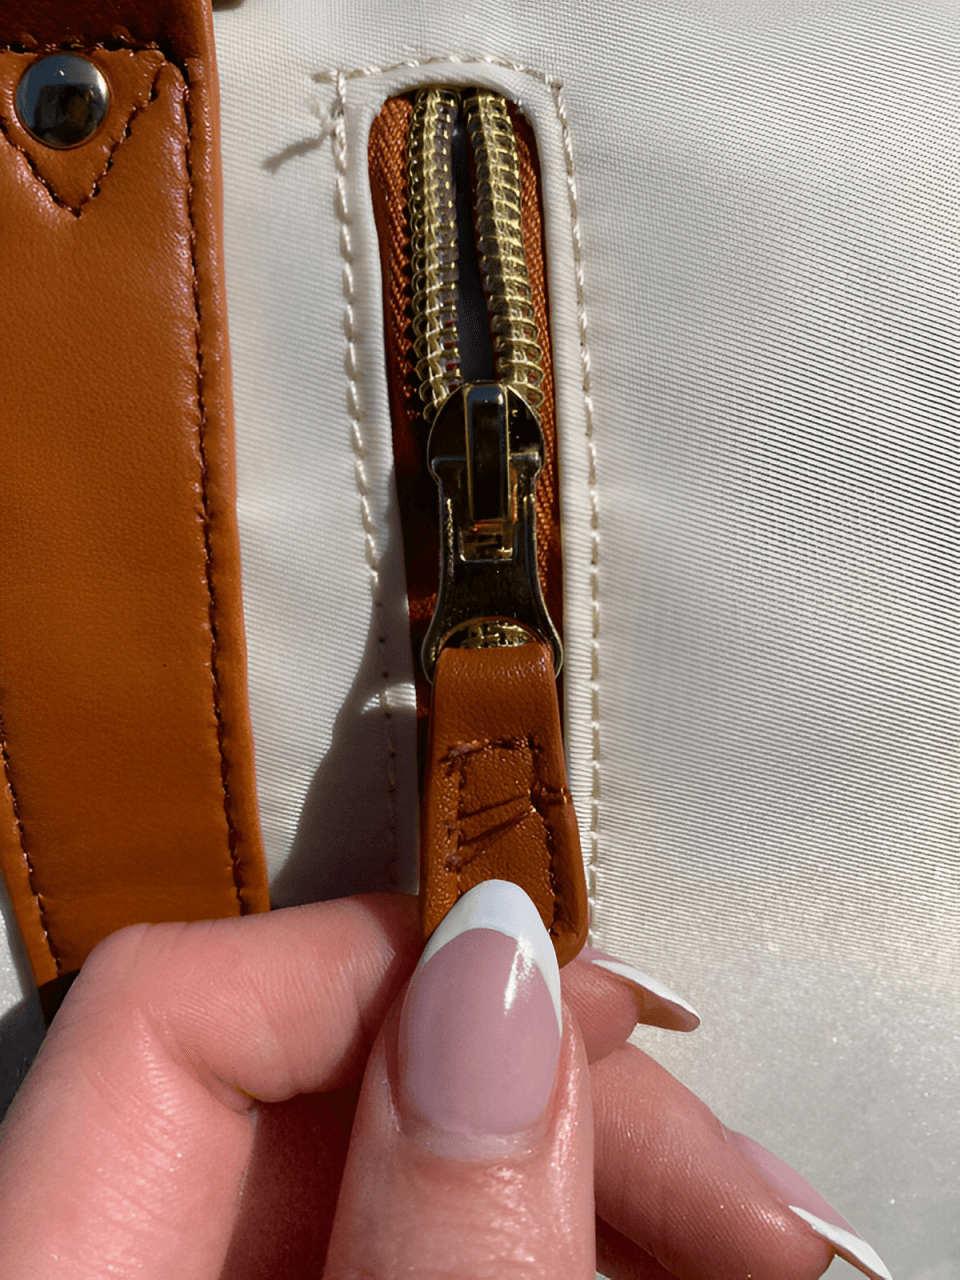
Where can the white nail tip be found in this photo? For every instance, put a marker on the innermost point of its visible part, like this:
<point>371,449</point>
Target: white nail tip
<point>503,906</point>
<point>851,1247</point>
<point>652,986</point>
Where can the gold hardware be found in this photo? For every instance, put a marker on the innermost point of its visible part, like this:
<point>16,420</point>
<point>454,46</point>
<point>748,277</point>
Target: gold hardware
<point>485,453</point>
<point>486,446</point>
<point>433,226</point>
<point>500,240</point>
<point>490,633</point>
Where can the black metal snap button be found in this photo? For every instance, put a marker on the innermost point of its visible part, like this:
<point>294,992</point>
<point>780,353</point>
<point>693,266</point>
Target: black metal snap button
<point>62,100</point>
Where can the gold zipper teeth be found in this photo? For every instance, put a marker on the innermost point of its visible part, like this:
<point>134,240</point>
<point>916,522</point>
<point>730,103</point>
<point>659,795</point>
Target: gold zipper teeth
<point>503,264</point>
<point>503,261</point>
<point>433,235</point>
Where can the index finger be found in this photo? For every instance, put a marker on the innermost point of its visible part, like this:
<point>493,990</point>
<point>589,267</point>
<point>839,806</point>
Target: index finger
<point>125,1149</point>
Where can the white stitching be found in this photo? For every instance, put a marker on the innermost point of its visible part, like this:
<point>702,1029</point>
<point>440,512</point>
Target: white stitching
<point>594,855</point>
<point>339,140</point>
<point>339,79</point>
<point>333,77</point>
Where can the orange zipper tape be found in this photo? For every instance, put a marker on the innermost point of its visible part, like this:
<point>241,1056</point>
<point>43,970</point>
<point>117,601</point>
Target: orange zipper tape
<point>495,799</point>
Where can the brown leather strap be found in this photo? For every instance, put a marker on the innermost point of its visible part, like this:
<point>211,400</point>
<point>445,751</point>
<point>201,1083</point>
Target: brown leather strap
<point>126,743</point>
<point>495,799</point>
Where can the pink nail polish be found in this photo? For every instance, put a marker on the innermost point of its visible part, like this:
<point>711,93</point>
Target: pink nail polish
<point>807,1203</point>
<point>480,1026</point>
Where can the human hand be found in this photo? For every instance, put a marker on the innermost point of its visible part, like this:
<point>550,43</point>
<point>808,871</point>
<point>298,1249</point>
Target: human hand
<point>190,1114</point>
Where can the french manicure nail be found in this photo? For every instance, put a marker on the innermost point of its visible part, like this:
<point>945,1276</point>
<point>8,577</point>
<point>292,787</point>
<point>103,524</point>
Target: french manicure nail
<point>807,1203</point>
<point>658,1006</point>
<point>848,1244</point>
<point>480,1026</point>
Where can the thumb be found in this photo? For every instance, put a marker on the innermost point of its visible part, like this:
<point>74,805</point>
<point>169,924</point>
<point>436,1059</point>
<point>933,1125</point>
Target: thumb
<point>472,1148</point>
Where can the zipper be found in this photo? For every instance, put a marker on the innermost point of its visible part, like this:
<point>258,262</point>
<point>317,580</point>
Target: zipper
<point>455,187</point>
<point>486,447</point>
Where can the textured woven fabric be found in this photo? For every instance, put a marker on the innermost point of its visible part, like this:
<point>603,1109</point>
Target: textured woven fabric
<point>750,221</point>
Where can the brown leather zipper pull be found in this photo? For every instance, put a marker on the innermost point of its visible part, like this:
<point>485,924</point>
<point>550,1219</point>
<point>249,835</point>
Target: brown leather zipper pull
<point>495,799</point>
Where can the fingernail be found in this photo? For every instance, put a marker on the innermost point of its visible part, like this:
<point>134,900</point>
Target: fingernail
<point>658,1006</point>
<point>480,1026</point>
<point>807,1203</point>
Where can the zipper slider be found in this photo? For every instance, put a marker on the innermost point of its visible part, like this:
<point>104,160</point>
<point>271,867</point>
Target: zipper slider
<point>486,446</point>
<point>485,452</point>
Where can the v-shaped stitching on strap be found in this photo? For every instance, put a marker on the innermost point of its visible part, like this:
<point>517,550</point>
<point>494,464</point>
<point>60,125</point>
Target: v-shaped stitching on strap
<point>57,199</point>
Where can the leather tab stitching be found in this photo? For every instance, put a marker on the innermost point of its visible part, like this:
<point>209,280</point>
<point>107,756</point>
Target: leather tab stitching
<point>138,109</point>
<point>21,834</point>
<point>541,798</point>
<point>233,836</point>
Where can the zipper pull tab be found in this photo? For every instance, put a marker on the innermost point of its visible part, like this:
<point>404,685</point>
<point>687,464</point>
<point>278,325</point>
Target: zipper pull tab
<point>485,452</point>
<point>496,805</point>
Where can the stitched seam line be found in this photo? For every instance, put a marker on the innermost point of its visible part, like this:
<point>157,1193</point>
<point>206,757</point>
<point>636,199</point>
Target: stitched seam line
<point>461,787</point>
<point>593,859</point>
<point>451,59</point>
<point>339,142</point>
<point>14,803</point>
<point>458,756</point>
<point>77,209</point>
<point>233,836</point>
<point>541,791</point>
<point>339,78</point>
<point>36,47</point>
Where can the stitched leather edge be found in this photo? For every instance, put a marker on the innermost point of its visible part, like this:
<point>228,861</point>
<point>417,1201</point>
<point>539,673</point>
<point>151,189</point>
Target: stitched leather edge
<point>234,740</point>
